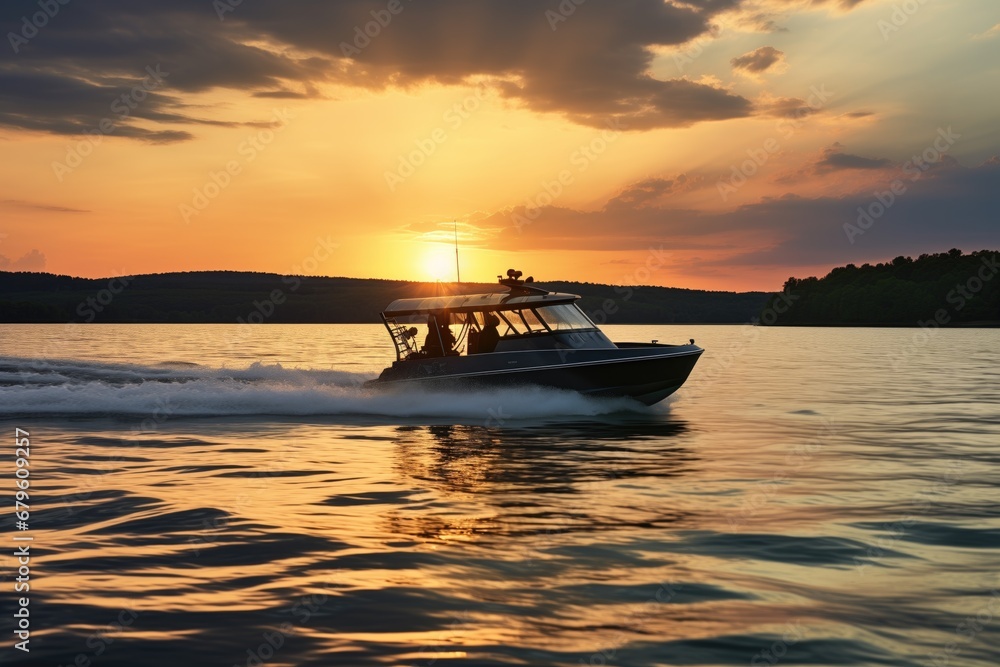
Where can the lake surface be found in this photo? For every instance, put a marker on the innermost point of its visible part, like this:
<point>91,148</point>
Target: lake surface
<point>224,495</point>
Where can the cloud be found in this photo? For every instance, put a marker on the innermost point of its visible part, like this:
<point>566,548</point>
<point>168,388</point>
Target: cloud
<point>32,261</point>
<point>834,159</point>
<point>63,104</point>
<point>843,5</point>
<point>592,67</point>
<point>767,15</point>
<point>20,203</point>
<point>760,22</point>
<point>785,107</point>
<point>854,115</point>
<point>282,94</point>
<point>946,205</point>
<point>989,34</point>
<point>759,60</point>
<point>651,189</point>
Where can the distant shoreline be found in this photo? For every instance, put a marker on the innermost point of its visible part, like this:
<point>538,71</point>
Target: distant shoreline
<point>948,290</point>
<point>944,290</point>
<point>231,297</point>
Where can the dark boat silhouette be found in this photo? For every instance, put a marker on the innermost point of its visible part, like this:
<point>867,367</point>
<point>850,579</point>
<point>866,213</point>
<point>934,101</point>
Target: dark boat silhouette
<point>541,338</point>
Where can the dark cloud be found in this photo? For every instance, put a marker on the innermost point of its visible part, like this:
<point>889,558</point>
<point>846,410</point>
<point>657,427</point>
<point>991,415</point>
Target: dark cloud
<point>832,159</point>
<point>786,107</point>
<point>762,23</point>
<point>590,68</point>
<point>640,193</point>
<point>651,189</point>
<point>46,102</point>
<point>946,205</point>
<point>282,94</point>
<point>835,159</point>
<point>949,206</point>
<point>758,60</point>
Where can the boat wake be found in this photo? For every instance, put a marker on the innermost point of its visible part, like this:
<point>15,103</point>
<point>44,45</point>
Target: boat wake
<point>85,388</point>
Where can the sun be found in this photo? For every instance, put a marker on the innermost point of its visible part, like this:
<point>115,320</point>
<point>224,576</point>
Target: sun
<point>439,262</point>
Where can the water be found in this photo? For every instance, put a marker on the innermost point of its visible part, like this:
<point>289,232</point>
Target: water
<point>211,495</point>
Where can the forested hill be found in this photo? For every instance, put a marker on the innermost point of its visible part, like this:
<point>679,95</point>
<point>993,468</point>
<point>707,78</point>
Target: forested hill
<point>948,288</point>
<point>231,297</point>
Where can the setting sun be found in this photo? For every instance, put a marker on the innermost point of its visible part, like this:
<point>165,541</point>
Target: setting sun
<point>439,262</point>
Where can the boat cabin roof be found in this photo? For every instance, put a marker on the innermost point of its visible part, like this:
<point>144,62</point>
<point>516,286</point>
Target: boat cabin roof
<point>475,303</point>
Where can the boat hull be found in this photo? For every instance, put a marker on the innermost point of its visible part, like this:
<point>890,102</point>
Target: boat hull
<point>647,373</point>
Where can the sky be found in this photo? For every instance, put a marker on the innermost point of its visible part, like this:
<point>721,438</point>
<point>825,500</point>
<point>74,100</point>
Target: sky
<point>710,144</point>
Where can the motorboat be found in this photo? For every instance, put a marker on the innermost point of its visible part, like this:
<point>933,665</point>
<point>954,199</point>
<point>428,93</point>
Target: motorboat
<point>524,335</point>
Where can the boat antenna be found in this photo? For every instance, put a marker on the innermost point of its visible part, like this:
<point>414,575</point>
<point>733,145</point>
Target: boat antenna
<point>458,271</point>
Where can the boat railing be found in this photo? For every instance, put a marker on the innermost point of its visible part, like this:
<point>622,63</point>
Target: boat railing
<point>403,338</point>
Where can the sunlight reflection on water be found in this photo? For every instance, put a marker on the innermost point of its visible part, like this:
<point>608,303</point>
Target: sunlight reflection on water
<point>239,498</point>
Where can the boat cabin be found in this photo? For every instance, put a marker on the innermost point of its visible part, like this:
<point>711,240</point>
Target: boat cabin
<point>523,318</point>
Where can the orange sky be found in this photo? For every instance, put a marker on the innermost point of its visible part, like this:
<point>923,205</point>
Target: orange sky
<point>630,143</point>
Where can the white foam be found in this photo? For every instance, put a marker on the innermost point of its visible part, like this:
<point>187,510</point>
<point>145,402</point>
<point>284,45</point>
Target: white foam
<point>88,388</point>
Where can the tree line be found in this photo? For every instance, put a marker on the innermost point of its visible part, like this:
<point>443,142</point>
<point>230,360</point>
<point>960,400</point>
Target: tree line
<point>234,297</point>
<point>950,288</point>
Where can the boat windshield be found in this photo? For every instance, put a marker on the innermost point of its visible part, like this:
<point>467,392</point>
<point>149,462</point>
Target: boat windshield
<point>565,317</point>
<point>519,322</point>
<point>530,319</point>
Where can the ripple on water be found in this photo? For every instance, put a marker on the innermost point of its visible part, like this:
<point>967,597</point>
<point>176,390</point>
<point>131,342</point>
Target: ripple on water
<point>781,509</point>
